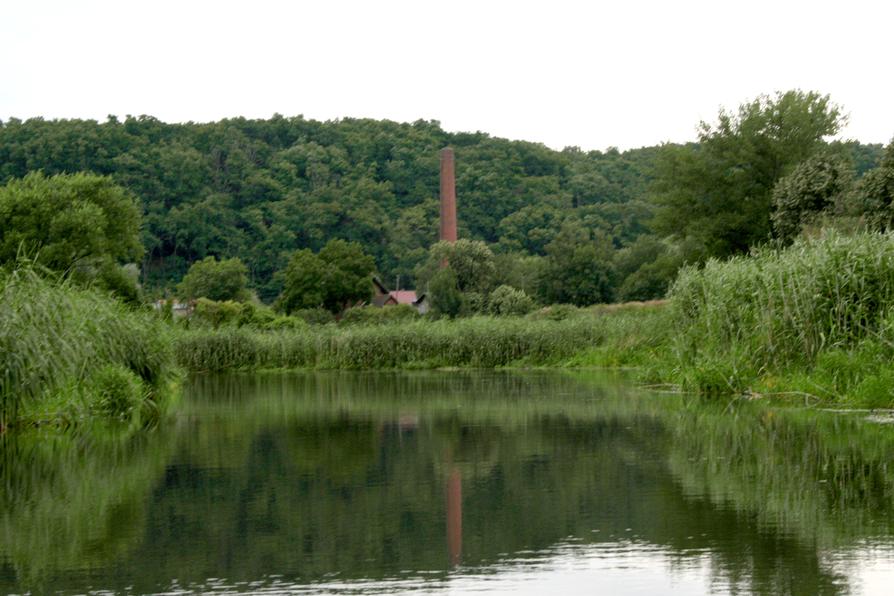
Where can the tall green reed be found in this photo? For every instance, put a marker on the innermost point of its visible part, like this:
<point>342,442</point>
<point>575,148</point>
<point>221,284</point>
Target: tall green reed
<point>483,342</point>
<point>53,336</point>
<point>779,308</point>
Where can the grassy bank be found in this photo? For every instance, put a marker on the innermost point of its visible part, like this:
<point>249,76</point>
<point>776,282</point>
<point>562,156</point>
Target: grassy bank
<point>68,355</point>
<point>814,322</point>
<point>480,342</point>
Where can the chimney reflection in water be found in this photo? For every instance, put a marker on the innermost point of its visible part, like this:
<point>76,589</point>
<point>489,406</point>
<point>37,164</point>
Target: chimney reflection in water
<point>455,515</point>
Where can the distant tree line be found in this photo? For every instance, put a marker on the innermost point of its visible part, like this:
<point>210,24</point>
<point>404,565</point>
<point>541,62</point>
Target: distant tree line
<point>552,226</point>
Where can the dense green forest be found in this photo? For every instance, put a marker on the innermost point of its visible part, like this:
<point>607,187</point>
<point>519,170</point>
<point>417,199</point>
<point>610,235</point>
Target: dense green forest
<point>261,189</point>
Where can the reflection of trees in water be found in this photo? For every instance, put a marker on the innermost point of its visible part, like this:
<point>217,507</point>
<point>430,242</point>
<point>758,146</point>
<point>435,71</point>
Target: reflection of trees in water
<point>305,475</point>
<point>73,501</point>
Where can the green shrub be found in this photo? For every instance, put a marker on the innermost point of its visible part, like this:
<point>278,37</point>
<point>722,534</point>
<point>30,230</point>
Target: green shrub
<point>116,392</point>
<point>556,312</point>
<point>314,316</point>
<point>215,314</point>
<point>507,301</point>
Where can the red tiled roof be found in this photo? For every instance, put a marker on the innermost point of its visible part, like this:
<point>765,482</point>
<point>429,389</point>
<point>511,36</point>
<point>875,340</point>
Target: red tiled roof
<point>403,296</point>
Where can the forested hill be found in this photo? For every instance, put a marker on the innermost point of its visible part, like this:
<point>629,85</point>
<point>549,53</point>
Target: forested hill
<point>259,189</point>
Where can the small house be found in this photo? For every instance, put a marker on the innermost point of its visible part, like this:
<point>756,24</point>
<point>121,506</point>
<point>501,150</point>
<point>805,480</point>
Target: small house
<point>382,297</point>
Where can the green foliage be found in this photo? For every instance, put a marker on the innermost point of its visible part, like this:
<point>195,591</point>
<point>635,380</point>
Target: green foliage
<point>579,268</point>
<point>475,341</point>
<point>117,392</point>
<point>216,314</point>
<point>121,282</point>
<point>211,314</point>
<point>302,283</point>
<point>314,316</point>
<point>53,336</point>
<point>227,348</point>
<point>335,279</point>
<point>821,305</point>
<point>374,315</point>
<point>348,276</point>
<point>530,228</point>
<point>519,271</point>
<point>814,187</point>
<point>444,294</point>
<point>875,193</point>
<point>507,301</point>
<point>81,224</point>
<point>262,189</point>
<point>215,280</point>
<point>647,268</point>
<point>472,262</point>
<point>556,312</point>
<point>718,193</point>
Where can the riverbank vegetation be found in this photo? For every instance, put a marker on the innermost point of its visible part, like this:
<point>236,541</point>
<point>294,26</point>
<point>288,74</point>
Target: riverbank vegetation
<point>812,321</point>
<point>270,234</point>
<point>815,319</point>
<point>70,354</point>
<point>482,342</point>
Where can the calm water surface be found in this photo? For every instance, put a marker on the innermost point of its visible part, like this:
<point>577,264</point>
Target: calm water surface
<point>452,482</point>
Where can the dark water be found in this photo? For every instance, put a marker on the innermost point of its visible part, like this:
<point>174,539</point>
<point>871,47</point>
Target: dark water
<point>533,483</point>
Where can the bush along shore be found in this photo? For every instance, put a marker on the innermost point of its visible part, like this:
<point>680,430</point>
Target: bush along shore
<point>70,355</point>
<point>813,322</point>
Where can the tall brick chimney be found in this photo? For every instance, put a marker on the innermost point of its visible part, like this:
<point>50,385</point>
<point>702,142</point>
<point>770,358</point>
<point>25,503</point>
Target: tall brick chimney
<point>448,196</point>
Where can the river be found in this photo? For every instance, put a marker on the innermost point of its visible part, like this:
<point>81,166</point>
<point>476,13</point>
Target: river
<point>452,482</point>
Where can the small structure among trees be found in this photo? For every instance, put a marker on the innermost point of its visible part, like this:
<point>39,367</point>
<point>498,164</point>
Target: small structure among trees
<point>382,297</point>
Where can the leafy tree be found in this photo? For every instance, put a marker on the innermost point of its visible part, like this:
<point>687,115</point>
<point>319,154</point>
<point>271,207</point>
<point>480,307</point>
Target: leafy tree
<point>67,222</point>
<point>718,192</point>
<point>217,313</point>
<point>875,193</point>
<point>519,270</point>
<point>651,280</point>
<point>530,228</point>
<point>302,283</point>
<point>579,268</point>
<point>348,278</point>
<point>215,280</point>
<point>335,279</point>
<point>815,186</point>
<point>444,293</point>
<point>472,261</point>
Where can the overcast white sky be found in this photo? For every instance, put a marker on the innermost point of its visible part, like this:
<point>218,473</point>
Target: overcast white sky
<point>593,74</point>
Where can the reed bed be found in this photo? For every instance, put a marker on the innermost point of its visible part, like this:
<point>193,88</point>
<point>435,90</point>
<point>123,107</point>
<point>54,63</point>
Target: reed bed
<point>54,337</point>
<point>480,342</point>
<point>781,310</point>
<point>815,320</point>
